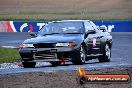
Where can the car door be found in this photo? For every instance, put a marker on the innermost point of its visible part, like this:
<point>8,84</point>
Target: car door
<point>92,40</point>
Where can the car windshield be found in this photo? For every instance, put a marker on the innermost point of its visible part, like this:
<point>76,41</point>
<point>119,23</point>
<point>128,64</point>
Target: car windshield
<point>62,28</point>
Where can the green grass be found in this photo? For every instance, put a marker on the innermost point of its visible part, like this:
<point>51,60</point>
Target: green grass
<point>56,19</point>
<point>9,55</point>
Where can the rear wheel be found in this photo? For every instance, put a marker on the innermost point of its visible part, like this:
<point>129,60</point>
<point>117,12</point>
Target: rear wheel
<point>28,64</point>
<point>106,55</point>
<point>81,58</point>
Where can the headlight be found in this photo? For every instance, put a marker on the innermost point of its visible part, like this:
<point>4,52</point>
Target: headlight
<point>66,44</point>
<point>26,45</point>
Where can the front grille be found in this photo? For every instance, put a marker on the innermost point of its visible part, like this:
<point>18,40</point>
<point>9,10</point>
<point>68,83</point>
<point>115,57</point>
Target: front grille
<point>45,56</point>
<point>44,45</point>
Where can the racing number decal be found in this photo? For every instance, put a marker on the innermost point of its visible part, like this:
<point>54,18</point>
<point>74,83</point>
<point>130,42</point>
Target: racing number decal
<point>94,42</point>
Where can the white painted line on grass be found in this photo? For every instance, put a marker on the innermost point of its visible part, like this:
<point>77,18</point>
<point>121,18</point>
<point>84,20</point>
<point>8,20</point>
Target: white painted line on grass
<point>9,47</point>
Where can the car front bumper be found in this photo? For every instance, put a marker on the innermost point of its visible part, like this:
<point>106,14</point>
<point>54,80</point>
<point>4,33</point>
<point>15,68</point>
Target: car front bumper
<point>48,54</point>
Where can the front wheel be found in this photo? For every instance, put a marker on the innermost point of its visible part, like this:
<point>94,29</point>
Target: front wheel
<point>81,58</point>
<point>106,55</point>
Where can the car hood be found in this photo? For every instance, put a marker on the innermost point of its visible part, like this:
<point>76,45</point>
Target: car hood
<point>56,38</point>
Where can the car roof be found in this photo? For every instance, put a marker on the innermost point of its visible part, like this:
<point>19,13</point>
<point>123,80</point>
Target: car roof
<point>71,21</point>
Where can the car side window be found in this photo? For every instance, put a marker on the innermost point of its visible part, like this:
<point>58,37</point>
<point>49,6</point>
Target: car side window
<point>88,27</point>
<point>95,27</point>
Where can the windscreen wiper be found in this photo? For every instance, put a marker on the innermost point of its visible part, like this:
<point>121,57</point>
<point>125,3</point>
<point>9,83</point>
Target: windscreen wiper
<point>51,33</point>
<point>72,33</point>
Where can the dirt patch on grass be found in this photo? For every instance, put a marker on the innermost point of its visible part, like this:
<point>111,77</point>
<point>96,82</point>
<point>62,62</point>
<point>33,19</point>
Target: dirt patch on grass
<point>59,79</point>
<point>66,9</point>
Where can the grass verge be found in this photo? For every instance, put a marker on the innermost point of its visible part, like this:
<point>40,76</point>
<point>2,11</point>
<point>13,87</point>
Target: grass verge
<point>56,19</point>
<point>9,55</point>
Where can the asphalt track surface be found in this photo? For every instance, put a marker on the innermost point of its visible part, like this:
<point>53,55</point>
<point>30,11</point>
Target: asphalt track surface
<point>121,54</point>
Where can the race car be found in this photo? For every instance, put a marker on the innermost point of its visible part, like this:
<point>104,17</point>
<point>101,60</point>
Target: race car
<point>67,40</point>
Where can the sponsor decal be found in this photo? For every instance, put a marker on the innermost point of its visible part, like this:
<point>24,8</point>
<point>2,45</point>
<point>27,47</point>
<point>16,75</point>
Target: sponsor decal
<point>115,25</point>
<point>14,26</point>
<point>23,26</point>
<point>94,42</point>
<point>109,28</point>
<point>83,78</point>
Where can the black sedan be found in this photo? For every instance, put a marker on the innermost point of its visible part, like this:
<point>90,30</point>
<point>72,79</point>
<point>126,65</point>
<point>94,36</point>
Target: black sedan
<point>68,40</point>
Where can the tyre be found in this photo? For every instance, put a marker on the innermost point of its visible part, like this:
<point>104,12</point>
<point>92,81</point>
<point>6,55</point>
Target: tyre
<point>81,57</point>
<point>106,55</point>
<point>28,64</point>
<point>55,63</point>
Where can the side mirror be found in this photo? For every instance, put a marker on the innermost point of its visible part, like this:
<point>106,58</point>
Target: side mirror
<point>33,35</point>
<point>103,29</point>
<point>89,32</point>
